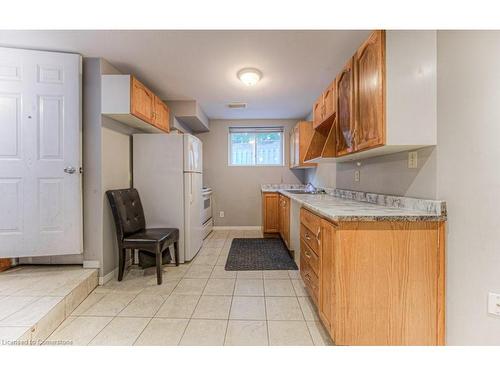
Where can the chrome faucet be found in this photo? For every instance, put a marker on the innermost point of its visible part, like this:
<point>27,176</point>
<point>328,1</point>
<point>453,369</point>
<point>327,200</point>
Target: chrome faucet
<point>310,188</point>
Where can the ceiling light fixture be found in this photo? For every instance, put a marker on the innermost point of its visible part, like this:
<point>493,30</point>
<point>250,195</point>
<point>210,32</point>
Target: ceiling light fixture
<point>249,76</point>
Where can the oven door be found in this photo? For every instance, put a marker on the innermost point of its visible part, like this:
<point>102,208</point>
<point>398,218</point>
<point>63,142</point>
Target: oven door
<point>207,207</point>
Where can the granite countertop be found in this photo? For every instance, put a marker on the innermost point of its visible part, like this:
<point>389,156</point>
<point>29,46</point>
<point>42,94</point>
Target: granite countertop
<point>347,205</point>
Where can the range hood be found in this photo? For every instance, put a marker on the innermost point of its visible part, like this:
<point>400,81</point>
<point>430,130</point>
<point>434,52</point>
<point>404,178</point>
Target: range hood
<point>189,114</point>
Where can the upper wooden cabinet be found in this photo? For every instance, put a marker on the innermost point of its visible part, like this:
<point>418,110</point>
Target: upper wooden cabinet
<point>370,92</point>
<point>324,107</point>
<point>161,115</point>
<point>317,112</point>
<point>329,101</point>
<point>142,101</point>
<point>345,110</point>
<point>384,97</point>
<point>299,142</point>
<point>129,101</point>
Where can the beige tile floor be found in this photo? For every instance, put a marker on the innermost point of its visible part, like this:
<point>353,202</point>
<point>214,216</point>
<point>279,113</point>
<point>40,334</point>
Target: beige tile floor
<point>199,303</point>
<point>34,300</point>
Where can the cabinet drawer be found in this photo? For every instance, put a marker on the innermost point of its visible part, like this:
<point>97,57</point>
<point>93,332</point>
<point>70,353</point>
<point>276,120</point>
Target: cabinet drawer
<point>310,221</point>
<point>310,257</point>
<point>310,280</point>
<point>309,238</point>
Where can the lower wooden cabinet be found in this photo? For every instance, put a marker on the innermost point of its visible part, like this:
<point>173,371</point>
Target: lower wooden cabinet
<point>276,216</point>
<point>376,283</point>
<point>270,213</point>
<point>284,219</point>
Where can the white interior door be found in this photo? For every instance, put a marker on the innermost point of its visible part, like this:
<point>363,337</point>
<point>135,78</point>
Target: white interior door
<point>40,153</point>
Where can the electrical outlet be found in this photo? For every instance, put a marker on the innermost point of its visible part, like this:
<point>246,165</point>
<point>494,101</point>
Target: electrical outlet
<point>494,304</point>
<point>413,159</point>
<point>357,175</point>
<point>221,213</point>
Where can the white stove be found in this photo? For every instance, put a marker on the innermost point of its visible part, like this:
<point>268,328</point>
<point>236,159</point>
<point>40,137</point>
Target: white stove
<point>206,215</point>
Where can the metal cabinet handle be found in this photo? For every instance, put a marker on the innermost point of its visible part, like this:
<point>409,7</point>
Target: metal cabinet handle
<point>308,237</point>
<point>307,254</point>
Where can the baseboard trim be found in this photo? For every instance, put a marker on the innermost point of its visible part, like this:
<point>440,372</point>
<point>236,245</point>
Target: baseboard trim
<point>104,279</point>
<point>258,227</point>
<point>91,264</point>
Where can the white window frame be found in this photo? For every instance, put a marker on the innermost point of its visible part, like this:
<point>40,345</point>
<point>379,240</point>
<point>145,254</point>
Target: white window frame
<point>256,129</point>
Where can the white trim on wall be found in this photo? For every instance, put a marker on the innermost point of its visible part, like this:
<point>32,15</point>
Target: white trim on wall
<point>91,264</point>
<point>104,279</point>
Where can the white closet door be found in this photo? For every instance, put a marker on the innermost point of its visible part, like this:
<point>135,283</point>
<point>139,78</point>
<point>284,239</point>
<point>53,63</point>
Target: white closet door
<point>40,153</point>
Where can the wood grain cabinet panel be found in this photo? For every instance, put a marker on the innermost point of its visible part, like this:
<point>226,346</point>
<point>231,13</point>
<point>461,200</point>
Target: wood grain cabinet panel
<point>161,116</point>
<point>318,112</point>
<point>326,274</point>
<point>302,134</point>
<point>310,238</point>
<point>370,92</point>
<point>270,213</point>
<point>376,283</point>
<point>142,101</point>
<point>284,219</point>
<point>329,101</point>
<point>345,110</point>
<point>386,283</point>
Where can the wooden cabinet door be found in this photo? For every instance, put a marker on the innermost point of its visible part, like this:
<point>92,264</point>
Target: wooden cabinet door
<point>161,115</point>
<point>270,213</point>
<point>280,215</point>
<point>141,101</point>
<point>370,92</point>
<point>326,274</point>
<point>329,101</point>
<point>293,161</point>
<point>304,135</point>
<point>318,112</point>
<point>285,221</point>
<point>345,110</point>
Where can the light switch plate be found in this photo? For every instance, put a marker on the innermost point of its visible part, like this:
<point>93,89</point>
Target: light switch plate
<point>221,213</point>
<point>494,304</point>
<point>413,159</point>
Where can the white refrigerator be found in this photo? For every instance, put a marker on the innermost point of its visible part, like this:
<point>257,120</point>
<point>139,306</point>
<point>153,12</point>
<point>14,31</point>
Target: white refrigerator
<point>167,172</point>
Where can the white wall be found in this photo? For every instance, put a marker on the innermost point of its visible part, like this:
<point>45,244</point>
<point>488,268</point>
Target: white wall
<point>116,174</point>
<point>237,189</point>
<point>468,179</point>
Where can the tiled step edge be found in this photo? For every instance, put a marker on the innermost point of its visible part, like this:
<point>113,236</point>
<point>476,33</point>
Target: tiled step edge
<point>40,331</point>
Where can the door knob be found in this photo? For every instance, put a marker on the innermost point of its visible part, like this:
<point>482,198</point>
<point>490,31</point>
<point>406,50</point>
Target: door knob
<point>70,170</point>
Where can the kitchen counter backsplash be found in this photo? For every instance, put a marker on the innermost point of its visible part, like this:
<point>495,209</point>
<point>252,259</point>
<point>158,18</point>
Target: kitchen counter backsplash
<point>431,206</point>
<point>269,188</point>
<point>364,205</point>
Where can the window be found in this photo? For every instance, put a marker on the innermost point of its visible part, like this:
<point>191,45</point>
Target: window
<point>255,146</point>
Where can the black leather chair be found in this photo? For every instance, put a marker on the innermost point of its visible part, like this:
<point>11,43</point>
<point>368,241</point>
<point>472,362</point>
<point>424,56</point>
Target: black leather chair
<point>131,231</point>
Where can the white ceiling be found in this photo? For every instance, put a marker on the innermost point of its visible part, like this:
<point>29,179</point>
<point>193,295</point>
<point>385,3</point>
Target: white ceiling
<point>202,65</point>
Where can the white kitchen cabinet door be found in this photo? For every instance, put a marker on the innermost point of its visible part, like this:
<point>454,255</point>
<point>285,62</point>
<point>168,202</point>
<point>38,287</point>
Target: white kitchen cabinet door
<point>40,153</point>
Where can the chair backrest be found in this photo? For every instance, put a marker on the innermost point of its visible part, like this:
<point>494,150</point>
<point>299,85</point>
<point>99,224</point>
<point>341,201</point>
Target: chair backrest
<point>127,211</point>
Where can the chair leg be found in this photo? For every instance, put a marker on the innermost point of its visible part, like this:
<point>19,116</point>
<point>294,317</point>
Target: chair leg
<point>159,271</point>
<point>176,250</point>
<point>121,263</point>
